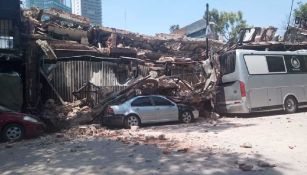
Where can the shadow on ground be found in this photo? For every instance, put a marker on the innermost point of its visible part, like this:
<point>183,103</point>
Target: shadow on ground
<point>101,156</point>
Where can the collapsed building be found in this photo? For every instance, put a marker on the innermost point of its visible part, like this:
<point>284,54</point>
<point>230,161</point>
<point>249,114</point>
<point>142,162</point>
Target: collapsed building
<point>50,54</point>
<point>61,56</point>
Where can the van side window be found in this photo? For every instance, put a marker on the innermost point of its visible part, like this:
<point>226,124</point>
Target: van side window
<point>256,64</point>
<point>228,63</point>
<point>276,64</point>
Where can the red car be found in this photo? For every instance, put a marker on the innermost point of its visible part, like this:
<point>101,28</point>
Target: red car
<point>15,126</point>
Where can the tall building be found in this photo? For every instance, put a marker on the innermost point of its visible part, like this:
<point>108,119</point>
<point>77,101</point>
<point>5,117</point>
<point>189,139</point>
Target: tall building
<point>46,4</point>
<point>91,9</point>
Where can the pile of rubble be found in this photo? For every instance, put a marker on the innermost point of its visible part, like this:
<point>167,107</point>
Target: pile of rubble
<point>61,36</point>
<point>67,115</point>
<point>67,34</point>
<point>257,38</point>
<point>130,137</point>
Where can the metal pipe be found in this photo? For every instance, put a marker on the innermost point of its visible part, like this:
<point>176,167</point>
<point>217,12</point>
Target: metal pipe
<point>207,23</point>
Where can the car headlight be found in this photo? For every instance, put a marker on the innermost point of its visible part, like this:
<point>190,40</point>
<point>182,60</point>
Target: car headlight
<point>30,119</point>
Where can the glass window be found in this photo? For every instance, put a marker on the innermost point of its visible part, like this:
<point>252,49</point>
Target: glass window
<point>276,64</point>
<point>6,38</point>
<point>256,64</point>
<point>161,101</point>
<point>142,101</point>
<point>228,63</point>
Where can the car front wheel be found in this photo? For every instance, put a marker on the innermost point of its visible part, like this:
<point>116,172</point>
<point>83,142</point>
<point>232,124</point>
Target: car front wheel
<point>132,120</point>
<point>13,132</point>
<point>186,117</point>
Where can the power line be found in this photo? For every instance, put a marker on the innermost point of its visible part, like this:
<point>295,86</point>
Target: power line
<point>290,14</point>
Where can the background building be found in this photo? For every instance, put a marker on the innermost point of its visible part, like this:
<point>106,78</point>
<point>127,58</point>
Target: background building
<point>91,9</point>
<point>46,4</point>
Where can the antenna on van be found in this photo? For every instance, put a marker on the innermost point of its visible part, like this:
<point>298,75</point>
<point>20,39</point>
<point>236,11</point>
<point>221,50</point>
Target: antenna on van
<point>207,37</point>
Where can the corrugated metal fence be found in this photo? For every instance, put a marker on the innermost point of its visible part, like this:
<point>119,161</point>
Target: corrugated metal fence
<point>69,76</point>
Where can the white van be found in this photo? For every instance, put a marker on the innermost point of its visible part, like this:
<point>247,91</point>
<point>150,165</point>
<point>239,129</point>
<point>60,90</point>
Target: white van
<point>253,81</point>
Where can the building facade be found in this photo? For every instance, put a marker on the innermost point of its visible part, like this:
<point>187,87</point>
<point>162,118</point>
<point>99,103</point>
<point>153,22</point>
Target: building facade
<point>47,4</point>
<point>91,9</point>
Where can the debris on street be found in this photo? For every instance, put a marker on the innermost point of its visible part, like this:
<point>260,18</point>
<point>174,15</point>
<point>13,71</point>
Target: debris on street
<point>246,145</point>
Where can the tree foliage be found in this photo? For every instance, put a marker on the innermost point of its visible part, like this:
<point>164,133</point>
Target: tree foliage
<point>301,11</point>
<point>227,24</point>
<point>173,28</point>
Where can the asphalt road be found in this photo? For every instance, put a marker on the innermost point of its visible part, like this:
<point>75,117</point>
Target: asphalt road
<point>214,147</point>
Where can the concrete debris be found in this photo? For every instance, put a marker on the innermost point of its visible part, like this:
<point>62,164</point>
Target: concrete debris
<point>178,66</point>
<point>63,36</point>
<point>68,115</point>
<point>134,128</point>
<point>103,41</point>
<point>183,150</point>
<point>162,137</point>
<point>246,167</point>
<point>246,145</point>
<point>9,145</point>
<point>265,164</point>
<point>296,35</point>
<point>126,136</point>
<point>253,164</point>
<point>258,38</point>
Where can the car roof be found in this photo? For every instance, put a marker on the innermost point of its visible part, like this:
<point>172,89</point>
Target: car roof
<point>149,96</point>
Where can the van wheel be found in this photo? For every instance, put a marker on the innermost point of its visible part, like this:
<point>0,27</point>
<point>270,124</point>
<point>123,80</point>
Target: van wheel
<point>290,105</point>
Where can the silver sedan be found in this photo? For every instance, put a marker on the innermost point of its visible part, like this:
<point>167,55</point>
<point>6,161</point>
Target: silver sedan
<point>148,109</point>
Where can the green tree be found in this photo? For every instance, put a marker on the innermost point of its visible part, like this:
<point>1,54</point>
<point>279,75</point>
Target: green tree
<point>301,11</point>
<point>173,28</point>
<point>227,24</point>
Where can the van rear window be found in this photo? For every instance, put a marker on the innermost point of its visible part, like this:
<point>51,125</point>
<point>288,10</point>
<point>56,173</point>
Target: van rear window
<point>228,63</point>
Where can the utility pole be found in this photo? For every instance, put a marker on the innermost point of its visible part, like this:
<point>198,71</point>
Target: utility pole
<point>207,23</point>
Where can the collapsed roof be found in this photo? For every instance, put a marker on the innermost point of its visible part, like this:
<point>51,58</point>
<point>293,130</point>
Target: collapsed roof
<point>71,35</point>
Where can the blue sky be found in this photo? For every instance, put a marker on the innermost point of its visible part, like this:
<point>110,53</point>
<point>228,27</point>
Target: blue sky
<point>156,16</point>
